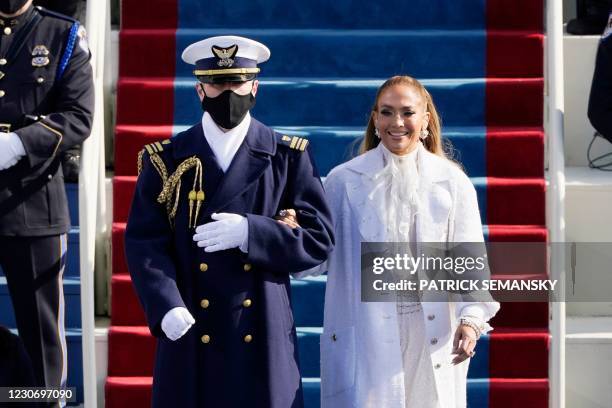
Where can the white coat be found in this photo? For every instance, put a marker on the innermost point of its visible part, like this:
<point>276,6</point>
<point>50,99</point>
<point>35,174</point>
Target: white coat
<point>361,361</point>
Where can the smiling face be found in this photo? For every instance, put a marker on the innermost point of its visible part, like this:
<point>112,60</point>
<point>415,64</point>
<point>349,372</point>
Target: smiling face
<point>400,116</point>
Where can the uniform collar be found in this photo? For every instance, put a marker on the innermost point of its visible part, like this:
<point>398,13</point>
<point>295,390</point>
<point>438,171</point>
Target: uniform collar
<point>224,144</point>
<point>259,139</point>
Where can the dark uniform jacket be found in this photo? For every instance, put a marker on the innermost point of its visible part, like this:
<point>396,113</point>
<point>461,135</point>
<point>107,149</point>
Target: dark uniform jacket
<point>48,100</point>
<point>242,350</point>
<point>600,100</point>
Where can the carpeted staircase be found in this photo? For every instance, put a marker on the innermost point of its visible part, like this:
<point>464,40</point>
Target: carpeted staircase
<point>481,60</point>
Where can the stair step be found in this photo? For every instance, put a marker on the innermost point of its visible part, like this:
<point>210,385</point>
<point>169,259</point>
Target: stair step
<point>492,233</point>
<point>511,201</point>
<point>128,392</point>
<point>308,298</point>
<point>480,150</point>
<point>333,102</point>
<point>483,392</point>
<point>391,52</point>
<point>72,299</point>
<point>73,257</point>
<point>433,14</point>
<point>72,194</point>
<point>132,353</point>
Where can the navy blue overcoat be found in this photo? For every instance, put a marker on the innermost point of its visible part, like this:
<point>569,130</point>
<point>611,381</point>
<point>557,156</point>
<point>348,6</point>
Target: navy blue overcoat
<point>242,350</point>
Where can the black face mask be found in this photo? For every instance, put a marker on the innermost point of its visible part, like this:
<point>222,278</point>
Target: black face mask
<point>228,109</point>
<point>11,6</point>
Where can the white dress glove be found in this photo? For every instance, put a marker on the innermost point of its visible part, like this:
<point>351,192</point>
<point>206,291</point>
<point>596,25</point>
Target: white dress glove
<point>227,231</point>
<point>177,322</point>
<point>11,150</point>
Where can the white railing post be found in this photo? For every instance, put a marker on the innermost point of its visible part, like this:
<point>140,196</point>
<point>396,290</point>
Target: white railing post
<point>90,195</point>
<point>556,195</point>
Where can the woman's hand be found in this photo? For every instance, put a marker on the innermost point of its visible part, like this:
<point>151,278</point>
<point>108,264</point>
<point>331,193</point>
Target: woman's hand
<point>464,343</point>
<point>288,217</point>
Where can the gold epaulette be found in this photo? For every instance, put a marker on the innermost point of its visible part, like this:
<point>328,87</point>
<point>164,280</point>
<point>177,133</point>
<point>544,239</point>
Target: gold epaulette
<point>153,149</point>
<point>294,142</point>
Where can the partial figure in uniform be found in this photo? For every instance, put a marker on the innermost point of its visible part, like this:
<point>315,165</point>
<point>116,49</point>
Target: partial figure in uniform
<point>46,106</point>
<point>591,17</point>
<point>208,259</point>
<point>600,99</point>
<point>406,352</point>
<point>71,157</point>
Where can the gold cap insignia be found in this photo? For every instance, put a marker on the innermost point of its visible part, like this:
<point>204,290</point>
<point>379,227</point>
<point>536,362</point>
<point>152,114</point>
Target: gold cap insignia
<point>225,55</point>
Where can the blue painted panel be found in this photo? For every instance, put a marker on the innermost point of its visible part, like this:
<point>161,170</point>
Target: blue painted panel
<point>333,102</point>
<point>373,53</point>
<point>72,193</point>
<point>72,300</point>
<point>331,14</point>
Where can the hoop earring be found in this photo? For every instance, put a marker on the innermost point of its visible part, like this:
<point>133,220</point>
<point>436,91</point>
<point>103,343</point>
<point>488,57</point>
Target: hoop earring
<point>376,133</point>
<point>424,134</point>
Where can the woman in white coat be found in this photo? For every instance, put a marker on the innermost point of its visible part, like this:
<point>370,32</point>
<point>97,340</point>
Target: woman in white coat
<point>402,188</point>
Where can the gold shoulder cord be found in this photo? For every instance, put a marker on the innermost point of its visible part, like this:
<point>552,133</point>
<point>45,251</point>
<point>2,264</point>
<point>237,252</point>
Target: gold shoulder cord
<point>172,185</point>
<point>172,188</point>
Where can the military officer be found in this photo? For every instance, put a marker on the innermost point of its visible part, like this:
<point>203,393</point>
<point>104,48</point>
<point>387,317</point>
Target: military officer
<point>46,106</point>
<point>208,259</point>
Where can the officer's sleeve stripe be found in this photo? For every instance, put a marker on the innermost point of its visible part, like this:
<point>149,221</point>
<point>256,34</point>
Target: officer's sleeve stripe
<point>56,132</point>
<point>303,145</point>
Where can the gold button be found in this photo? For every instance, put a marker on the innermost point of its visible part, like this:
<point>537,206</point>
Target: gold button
<point>203,267</point>
<point>7,30</point>
<point>2,93</point>
<point>205,339</point>
<point>204,303</point>
<point>40,80</point>
<point>247,303</point>
<point>248,338</point>
<point>3,61</point>
<point>247,267</point>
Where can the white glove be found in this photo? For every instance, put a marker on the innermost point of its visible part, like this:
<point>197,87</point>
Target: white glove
<point>11,150</point>
<point>228,231</point>
<point>176,323</point>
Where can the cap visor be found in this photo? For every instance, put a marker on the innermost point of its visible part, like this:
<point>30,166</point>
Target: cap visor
<point>218,79</point>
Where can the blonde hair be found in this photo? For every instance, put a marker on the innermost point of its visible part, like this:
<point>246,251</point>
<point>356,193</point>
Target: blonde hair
<point>432,143</point>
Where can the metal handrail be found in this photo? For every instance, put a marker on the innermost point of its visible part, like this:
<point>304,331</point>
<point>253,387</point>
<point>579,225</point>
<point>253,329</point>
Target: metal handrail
<point>555,209</point>
<point>91,194</point>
